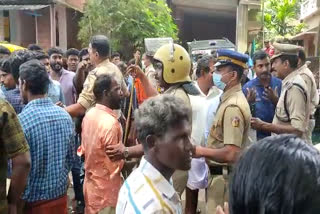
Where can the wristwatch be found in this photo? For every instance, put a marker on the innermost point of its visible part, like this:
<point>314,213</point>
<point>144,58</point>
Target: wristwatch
<point>126,152</point>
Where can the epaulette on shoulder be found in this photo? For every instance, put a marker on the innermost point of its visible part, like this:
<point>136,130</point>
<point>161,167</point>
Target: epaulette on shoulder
<point>288,85</point>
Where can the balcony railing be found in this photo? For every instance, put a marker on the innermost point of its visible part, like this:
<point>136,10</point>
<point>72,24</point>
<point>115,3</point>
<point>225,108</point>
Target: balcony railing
<point>308,7</point>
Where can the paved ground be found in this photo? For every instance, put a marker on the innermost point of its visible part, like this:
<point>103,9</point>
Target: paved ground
<point>70,197</point>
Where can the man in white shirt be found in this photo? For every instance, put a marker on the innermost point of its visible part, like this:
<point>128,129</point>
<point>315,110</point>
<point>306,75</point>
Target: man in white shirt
<point>209,97</point>
<point>163,127</point>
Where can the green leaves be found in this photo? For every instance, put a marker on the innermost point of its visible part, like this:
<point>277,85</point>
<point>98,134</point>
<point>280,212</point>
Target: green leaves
<point>282,18</point>
<point>127,22</point>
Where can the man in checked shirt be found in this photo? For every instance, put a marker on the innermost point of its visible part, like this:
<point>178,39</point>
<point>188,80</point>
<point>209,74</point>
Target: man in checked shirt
<point>49,132</point>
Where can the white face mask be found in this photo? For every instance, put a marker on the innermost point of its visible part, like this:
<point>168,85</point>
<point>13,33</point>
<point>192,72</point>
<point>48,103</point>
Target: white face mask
<point>218,82</point>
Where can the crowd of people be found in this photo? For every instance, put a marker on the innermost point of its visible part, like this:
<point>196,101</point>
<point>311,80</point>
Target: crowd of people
<point>136,135</point>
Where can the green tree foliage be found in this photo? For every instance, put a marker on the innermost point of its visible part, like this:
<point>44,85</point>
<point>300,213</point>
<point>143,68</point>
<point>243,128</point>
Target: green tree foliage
<point>127,22</point>
<point>282,18</point>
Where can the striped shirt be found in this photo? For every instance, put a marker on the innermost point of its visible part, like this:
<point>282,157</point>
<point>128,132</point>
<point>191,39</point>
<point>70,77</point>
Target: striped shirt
<point>49,133</point>
<point>147,191</point>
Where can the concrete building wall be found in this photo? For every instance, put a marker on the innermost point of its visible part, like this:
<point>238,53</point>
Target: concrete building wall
<point>313,21</point>
<point>44,35</point>
<point>26,29</point>
<point>22,28</point>
<point>242,28</point>
<point>61,17</point>
<point>13,25</point>
<point>206,27</point>
<point>1,26</point>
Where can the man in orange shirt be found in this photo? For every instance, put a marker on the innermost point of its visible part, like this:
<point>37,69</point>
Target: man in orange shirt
<point>100,128</point>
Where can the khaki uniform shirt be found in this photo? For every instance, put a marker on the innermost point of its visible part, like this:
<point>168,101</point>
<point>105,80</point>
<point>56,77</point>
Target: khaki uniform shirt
<point>178,91</point>
<point>297,103</point>
<point>308,78</point>
<point>87,98</point>
<point>232,121</point>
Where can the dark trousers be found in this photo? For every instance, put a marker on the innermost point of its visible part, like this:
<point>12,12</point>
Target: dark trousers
<point>77,185</point>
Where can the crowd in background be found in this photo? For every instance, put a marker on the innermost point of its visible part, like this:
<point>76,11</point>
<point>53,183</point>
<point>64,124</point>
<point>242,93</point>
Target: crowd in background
<point>181,129</point>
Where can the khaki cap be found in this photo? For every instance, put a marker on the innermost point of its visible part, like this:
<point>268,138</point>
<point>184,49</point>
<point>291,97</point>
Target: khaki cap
<point>285,49</point>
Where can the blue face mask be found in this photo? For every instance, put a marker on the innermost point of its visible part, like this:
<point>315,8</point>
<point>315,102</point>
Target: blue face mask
<point>217,81</point>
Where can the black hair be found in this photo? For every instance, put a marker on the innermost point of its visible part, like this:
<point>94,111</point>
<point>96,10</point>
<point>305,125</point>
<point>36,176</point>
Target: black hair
<point>35,76</point>
<point>158,114</point>
<point>137,49</point>
<point>4,50</point>
<point>101,44</point>
<point>17,58</point>
<point>238,69</point>
<point>72,51</point>
<point>5,65</point>
<point>83,52</point>
<point>122,67</point>
<point>203,65</point>
<point>34,47</point>
<point>292,59</point>
<point>40,55</point>
<point>302,56</point>
<point>131,62</point>
<point>277,175</point>
<point>259,55</point>
<point>115,54</point>
<point>55,50</point>
<point>102,83</point>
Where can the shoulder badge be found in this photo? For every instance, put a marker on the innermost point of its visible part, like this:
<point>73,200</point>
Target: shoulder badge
<point>288,85</point>
<point>235,122</point>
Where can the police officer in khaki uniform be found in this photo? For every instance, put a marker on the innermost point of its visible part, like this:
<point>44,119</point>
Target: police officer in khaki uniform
<point>99,56</point>
<point>172,63</point>
<point>230,129</point>
<point>293,108</point>
<point>308,78</point>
